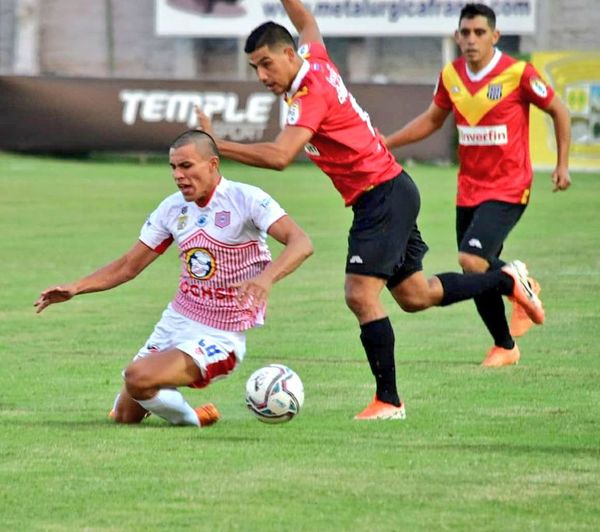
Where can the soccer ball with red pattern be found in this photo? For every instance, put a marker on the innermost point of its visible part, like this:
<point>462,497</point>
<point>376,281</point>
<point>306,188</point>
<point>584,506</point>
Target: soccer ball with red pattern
<point>274,394</point>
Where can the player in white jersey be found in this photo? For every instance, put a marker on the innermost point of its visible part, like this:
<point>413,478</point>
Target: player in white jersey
<point>220,227</point>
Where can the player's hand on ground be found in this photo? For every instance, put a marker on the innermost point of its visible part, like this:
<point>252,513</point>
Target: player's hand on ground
<point>204,122</point>
<point>561,179</point>
<point>253,293</point>
<point>56,294</point>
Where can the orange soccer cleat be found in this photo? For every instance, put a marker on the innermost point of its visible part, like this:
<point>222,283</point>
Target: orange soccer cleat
<point>520,322</point>
<point>498,357</point>
<point>379,410</point>
<point>523,293</point>
<point>207,414</point>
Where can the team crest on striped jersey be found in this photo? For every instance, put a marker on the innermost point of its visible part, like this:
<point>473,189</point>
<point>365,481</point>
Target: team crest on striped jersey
<point>222,219</point>
<point>494,91</point>
<point>200,263</point>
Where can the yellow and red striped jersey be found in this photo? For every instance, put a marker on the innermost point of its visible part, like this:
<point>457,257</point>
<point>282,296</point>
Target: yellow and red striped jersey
<point>491,110</point>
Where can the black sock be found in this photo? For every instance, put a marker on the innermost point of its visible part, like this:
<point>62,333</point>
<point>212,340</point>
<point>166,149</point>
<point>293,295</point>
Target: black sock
<point>461,286</point>
<point>377,338</point>
<point>491,309</point>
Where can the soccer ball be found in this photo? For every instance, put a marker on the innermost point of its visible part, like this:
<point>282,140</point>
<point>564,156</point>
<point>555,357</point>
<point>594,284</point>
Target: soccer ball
<point>274,394</point>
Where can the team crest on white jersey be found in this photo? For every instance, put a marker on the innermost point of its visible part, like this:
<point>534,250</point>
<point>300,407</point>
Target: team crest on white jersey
<point>222,219</point>
<point>200,263</point>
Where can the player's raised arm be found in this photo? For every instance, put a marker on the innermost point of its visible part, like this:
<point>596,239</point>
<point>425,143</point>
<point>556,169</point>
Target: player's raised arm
<point>298,248</point>
<point>119,271</point>
<point>275,155</point>
<point>303,20</point>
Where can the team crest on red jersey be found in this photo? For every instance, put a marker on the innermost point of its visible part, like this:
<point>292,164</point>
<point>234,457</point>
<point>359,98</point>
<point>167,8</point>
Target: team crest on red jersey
<point>222,219</point>
<point>494,91</point>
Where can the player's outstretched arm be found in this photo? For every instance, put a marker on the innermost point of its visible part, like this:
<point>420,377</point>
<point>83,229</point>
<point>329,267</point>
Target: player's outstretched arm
<point>113,274</point>
<point>562,132</point>
<point>298,248</point>
<point>303,20</point>
<point>419,128</point>
<point>275,155</point>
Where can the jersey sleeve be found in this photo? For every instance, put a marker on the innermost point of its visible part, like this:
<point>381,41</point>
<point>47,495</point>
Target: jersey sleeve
<point>535,89</point>
<point>313,50</point>
<point>440,94</point>
<point>308,107</point>
<point>264,210</point>
<point>308,110</point>
<point>154,232</point>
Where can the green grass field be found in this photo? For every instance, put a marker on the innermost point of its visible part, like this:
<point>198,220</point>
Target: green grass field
<point>510,449</point>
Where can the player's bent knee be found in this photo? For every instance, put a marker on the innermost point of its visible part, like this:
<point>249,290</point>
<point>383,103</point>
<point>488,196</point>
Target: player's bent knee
<point>412,305</point>
<point>137,379</point>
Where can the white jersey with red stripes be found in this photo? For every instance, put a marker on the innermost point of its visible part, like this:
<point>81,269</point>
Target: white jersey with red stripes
<point>221,244</point>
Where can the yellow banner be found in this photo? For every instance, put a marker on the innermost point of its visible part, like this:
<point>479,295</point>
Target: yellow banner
<point>575,77</point>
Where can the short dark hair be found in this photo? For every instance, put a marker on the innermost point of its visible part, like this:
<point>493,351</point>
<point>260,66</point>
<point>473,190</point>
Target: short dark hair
<point>268,34</point>
<point>477,10</point>
<point>204,143</point>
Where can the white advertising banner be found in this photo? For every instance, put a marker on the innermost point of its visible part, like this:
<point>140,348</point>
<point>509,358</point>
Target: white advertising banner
<point>236,18</point>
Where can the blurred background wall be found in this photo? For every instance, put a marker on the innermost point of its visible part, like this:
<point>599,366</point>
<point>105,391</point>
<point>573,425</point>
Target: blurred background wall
<point>125,74</point>
<point>116,38</point>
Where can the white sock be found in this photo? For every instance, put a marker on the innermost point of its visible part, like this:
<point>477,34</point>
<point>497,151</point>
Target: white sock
<point>116,402</point>
<point>169,404</point>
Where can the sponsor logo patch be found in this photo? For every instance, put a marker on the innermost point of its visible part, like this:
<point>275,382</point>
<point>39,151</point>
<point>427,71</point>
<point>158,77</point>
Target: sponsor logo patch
<point>539,87</point>
<point>303,51</point>
<point>482,135</point>
<point>311,150</point>
<point>200,263</point>
<point>293,114</point>
<point>475,243</point>
<point>266,202</point>
<point>202,220</point>
<point>181,222</point>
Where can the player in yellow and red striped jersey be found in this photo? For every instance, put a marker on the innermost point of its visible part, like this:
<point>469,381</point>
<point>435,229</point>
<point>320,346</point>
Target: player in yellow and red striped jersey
<point>385,248</point>
<point>489,94</point>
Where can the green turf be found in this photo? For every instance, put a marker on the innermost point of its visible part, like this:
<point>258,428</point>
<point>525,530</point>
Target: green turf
<point>509,449</point>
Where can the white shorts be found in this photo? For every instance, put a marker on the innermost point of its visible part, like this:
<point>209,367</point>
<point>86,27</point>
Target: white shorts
<point>216,352</point>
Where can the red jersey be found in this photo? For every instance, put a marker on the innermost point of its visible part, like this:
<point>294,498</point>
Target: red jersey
<point>344,145</point>
<point>491,109</point>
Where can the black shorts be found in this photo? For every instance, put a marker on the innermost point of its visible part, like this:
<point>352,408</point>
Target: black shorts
<point>482,230</point>
<point>384,240</point>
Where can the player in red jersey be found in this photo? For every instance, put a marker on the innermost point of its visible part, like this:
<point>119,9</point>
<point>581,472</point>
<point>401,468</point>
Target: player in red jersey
<point>489,94</point>
<point>385,248</point>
